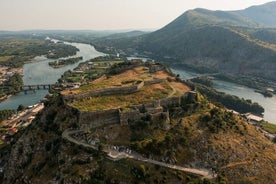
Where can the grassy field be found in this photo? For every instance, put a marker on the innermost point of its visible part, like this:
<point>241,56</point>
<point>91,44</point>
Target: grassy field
<point>90,71</point>
<point>5,58</point>
<point>271,128</point>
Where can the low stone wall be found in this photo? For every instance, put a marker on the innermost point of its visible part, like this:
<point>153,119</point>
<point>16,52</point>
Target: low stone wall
<point>102,92</point>
<point>172,101</point>
<point>154,81</point>
<point>110,91</point>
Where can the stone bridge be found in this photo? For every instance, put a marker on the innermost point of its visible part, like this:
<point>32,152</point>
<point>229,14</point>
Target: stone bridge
<point>34,87</point>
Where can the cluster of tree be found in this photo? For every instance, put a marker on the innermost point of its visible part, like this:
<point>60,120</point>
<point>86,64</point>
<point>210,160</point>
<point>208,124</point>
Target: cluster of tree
<point>217,119</point>
<point>12,85</point>
<point>64,62</point>
<point>59,50</point>
<point>106,58</point>
<point>140,172</point>
<point>120,67</point>
<point>5,114</point>
<point>230,101</point>
<point>203,80</point>
<point>20,48</point>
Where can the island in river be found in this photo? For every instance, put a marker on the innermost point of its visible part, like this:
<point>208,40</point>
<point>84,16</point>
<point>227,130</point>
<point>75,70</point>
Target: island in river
<point>16,50</point>
<point>63,62</point>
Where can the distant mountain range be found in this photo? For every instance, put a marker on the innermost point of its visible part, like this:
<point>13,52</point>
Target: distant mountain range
<point>264,15</point>
<point>235,42</point>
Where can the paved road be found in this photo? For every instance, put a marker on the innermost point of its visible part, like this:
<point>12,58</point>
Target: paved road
<point>25,115</point>
<point>116,155</point>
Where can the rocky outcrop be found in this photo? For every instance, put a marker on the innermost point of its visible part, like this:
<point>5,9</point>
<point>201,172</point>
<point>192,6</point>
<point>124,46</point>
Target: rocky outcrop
<point>98,118</point>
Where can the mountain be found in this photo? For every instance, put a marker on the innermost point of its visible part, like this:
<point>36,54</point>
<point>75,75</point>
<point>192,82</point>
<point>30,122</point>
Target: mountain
<point>201,16</point>
<point>263,14</point>
<point>126,35</point>
<point>220,41</point>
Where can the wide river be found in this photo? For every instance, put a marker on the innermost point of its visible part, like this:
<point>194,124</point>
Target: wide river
<point>269,104</point>
<point>39,72</point>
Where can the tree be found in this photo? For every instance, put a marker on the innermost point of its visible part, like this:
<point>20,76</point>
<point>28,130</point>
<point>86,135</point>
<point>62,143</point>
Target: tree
<point>274,140</point>
<point>21,108</point>
<point>15,83</point>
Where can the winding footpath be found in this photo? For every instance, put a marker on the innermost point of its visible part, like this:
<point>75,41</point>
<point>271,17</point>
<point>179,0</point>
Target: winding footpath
<point>117,155</point>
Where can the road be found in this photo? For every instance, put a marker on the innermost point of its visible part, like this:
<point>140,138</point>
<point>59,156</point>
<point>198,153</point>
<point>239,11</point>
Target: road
<point>25,115</point>
<point>117,155</point>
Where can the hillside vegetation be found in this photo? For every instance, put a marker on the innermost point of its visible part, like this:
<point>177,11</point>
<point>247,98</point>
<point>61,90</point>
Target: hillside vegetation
<point>262,14</point>
<point>196,134</point>
<point>17,49</point>
<point>217,41</point>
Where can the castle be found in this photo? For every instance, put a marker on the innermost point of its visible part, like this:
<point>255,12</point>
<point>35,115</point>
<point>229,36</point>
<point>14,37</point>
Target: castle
<point>155,111</point>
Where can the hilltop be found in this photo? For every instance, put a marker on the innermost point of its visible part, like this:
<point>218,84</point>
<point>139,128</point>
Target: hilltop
<point>149,114</point>
<point>264,14</point>
<point>231,42</point>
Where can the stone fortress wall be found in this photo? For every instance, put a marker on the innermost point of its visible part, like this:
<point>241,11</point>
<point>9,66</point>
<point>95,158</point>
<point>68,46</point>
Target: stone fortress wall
<point>155,111</point>
<point>104,92</point>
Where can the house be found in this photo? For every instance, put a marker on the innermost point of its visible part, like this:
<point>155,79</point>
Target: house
<point>251,118</point>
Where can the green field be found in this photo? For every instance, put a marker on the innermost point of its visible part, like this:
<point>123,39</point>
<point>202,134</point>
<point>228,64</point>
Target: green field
<point>271,128</point>
<point>16,49</point>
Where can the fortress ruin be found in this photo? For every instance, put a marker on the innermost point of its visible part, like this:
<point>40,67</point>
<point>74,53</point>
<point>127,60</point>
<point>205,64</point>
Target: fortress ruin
<point>155,110</point>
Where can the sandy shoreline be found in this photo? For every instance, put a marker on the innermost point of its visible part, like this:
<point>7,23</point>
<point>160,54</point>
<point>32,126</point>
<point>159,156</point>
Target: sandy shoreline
<point>5,98</point>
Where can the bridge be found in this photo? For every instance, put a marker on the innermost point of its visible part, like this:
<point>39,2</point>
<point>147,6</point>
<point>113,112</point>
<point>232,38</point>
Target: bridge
<point>34,87</point>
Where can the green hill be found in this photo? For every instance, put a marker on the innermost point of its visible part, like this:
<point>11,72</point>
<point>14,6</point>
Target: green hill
<point>188,133</point>
<point>201,16</point>
<point>263,14</point>
<point>219,41</point>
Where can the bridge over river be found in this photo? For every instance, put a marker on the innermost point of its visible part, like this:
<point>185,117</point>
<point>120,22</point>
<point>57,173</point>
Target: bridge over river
<point>34,87</point>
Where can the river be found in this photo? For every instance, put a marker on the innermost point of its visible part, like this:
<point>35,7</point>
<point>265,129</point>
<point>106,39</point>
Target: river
<point>39,72</point>
<point>269,104</point>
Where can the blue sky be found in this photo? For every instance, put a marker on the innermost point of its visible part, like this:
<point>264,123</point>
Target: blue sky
<point>103,14</point>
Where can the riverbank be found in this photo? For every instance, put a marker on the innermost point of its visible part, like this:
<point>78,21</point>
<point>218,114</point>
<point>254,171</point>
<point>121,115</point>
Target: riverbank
<point>19,121</point>
<point>38,71</point>
<point>240,91</point>
<point>5,98</point>
<point>263,86</point>
<point>64,62</point>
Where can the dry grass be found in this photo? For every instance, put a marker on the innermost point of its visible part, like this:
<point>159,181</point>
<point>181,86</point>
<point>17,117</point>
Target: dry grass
<point>180,87</point>
<point>5,58</point>
<point>146,94</point>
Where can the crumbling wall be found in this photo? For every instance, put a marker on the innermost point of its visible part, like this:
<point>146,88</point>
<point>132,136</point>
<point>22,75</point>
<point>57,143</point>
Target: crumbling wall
<point>133,115</point>
<point>153,109</point>
<point>98,118</point>
<point>154,81</point>
<point>172,101</point>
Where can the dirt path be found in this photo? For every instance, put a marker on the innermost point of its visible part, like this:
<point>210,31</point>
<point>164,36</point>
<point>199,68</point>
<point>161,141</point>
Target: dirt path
<point>173,91</point>
<point>117,155</point>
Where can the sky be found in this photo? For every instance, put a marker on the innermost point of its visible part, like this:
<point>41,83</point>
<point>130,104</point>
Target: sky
<point>103,14</point>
